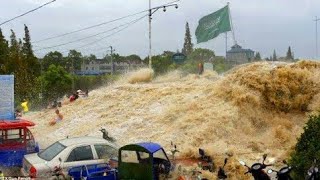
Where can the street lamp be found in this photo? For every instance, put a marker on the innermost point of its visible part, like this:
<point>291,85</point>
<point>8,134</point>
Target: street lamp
<point>151,11</point>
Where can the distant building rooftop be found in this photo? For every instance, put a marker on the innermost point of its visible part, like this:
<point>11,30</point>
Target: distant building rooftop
<point>236,49</point>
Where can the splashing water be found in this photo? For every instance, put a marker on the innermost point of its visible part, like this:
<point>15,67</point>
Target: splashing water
<point>254,109</point>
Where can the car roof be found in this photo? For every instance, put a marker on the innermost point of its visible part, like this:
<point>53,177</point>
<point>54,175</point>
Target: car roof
<point>145,146</point>
<point>12,124</point>
<point>84,140</point>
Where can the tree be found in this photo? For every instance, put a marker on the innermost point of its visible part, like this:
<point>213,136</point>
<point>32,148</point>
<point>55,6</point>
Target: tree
<point>289,54</point>
<point>15,66</point>
<point>161,63</point>
<point>4,54</point>
<point>274,57</point>
<point>220,65</point>
<point>73,61</point>
<point>307,148</point>
<point>257,56</point>
<point>187,46</point>
<point>30,64</point>
<point>56,82</point>
<point>30,61</point>
<point>133,58</point>
<point>201,54</point>
<point>55,58</point>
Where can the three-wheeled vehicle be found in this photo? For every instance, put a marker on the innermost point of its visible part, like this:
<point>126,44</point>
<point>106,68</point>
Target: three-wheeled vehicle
<point>141,161</point>
<point>16,140</point>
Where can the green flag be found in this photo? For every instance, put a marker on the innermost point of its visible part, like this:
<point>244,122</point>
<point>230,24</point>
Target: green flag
<point>213,24</point>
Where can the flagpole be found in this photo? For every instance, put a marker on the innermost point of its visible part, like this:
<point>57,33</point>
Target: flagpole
<point>232,30</point>
<point>226,43</point>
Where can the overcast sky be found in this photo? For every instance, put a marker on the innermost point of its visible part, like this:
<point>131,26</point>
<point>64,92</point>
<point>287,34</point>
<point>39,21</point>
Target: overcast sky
<point>261,25</point>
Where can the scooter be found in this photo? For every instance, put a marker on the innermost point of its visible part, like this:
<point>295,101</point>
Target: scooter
<point>221,173</point>
<point>283,173</point>
<point>206,162</point>
<point>256,169</point>
<point>57,172</point>
<point>313,172</point>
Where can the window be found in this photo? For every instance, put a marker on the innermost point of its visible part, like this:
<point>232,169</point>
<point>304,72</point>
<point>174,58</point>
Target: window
<point>2,135</point>
<point>129,156</point>
<point>12,136</point>
<point>144,155</point>
<point>80,154</point>
<point>105,151</point>
<point>52,151</point>
<point>160,154</point>
<point>14,133</point>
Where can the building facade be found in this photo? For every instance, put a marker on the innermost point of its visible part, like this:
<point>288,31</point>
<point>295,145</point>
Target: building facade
<point>237,55</point>
<point>102,66</point>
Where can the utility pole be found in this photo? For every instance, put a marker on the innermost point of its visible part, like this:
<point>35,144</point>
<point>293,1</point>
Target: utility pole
<point>151,11</point>
<point>41,71</point>
<point>72,74</point>
<point>150,50</point>
<point>112,69</point>
<point>316,20</point>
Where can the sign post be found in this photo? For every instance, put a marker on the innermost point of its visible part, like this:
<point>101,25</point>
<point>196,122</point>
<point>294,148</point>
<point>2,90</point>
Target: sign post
<point>179,58</point>
<point>7,97</point>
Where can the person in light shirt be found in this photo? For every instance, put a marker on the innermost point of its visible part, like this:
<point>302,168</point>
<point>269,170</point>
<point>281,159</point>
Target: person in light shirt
<point>57,119</point>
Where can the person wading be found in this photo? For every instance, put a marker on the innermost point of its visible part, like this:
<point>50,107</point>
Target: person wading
<point>57,119</point>
<point>200,68</point>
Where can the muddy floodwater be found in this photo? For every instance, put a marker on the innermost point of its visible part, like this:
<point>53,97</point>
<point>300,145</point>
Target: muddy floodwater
<point>251,110</point>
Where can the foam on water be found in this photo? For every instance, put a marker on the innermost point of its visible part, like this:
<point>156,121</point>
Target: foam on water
<point>238,114</point>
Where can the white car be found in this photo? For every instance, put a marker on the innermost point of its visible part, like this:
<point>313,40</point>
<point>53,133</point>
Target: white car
<point>72,152</point>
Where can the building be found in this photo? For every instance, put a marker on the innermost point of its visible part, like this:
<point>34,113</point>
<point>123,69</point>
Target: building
<point>236,55</point>
<point>102,66</point>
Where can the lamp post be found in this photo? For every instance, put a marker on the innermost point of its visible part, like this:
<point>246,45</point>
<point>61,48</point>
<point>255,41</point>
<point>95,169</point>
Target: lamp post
<point>151,11</point>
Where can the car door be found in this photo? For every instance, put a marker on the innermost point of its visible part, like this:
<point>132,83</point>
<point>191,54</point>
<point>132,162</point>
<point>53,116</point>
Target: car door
<point>81,155</point>
<point>105,152</point>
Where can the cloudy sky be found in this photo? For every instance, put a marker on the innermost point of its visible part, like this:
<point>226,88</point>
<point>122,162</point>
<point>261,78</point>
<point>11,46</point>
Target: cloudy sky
<point>261,25</point>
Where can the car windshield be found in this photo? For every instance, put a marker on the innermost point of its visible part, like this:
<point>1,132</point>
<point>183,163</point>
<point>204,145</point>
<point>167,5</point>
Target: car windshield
<point>52,151</point>
<point>160,154</point>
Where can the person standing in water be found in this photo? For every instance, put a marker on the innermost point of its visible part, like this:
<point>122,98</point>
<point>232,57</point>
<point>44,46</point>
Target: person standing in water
<point>200,68</point>
<point>24,105</point>
<point>57,119</point>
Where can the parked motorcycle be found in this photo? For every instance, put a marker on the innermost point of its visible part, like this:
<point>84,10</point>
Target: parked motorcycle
<point>206,162</point>
<point>283,173</point>
<point>57,172</point>
<point>221,173</point>
<point>313,172</point>
<point>257,169</point>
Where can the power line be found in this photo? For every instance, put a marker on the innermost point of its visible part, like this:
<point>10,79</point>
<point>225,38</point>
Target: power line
<point>27,12</point>
<point>90,27</point>
<point>97,25</point>
<point>77,40</point>
<point>88,44</point>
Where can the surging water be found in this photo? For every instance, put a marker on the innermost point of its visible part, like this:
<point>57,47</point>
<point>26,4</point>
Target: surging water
<point>242,114</point>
